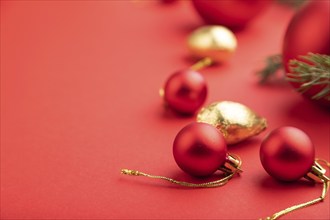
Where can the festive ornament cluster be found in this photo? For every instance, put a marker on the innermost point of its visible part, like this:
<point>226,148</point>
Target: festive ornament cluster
<point>200,148</point>
<point>305,55</point>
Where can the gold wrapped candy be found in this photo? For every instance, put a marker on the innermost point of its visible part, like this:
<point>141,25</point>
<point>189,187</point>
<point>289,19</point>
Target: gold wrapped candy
<point>234,120</point>
<point>213,41</point>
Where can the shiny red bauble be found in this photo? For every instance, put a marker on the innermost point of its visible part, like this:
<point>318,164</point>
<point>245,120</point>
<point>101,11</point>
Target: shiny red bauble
<point>233,14</point>
<point>308,31</point>
<point>185,91</point>
<point>287,153</point>
<point>199,149</point>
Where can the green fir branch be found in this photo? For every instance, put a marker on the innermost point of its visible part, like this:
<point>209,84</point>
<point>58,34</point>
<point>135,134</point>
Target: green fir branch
<point>312,70</point>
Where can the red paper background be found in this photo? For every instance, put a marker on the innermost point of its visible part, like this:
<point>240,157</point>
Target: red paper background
<point>79,101</point>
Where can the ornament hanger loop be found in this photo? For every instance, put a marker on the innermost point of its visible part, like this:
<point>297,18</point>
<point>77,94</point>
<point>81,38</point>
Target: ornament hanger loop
<point>233,164</point>
<point>317,172</point>
<point>323,161</point>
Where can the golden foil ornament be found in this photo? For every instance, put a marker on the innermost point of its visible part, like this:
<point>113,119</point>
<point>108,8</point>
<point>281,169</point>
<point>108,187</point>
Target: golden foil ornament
<point>213,41</point>
<point>234,120</point>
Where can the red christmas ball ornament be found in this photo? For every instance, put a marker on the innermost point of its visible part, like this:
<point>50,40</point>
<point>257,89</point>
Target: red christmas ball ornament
<point>199,149</point>
<point>233,14</point>
<point>287,154</point>
<point>185,91</point>
<point>308,32</point>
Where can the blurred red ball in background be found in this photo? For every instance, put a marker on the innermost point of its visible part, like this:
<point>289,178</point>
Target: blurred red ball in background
<point>168,1</point>
<point>308,31</point>
<point>233,14</point>
<point>185,91</point>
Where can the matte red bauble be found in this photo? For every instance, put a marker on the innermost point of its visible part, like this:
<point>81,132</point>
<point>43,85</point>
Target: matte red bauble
<point>287,153</point>
<point>232,14</point>
<point>199,149</point>
<point>185,91</point>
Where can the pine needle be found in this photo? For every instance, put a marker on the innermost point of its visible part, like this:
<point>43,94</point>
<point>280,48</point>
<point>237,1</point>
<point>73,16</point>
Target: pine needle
<point>312,70</point>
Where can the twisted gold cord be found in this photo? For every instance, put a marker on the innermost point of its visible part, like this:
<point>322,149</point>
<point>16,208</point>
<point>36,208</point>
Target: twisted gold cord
<point>325,182</point>
<point>215,183</point>
<point>303,205</point>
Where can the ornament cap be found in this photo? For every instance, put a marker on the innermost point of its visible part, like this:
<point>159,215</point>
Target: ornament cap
<point>317,173</point>
<point>232,165</point>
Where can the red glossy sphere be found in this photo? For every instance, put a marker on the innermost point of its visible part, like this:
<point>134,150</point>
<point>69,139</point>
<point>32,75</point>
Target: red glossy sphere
<point>185,91</point>
<point>308,31</point>
<point>199,149</point>
<point>287,153</point>
<point>232,14</point>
